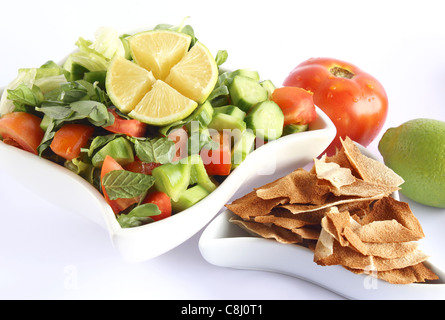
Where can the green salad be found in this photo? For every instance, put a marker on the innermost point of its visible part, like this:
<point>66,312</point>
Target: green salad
<point>66,114</point>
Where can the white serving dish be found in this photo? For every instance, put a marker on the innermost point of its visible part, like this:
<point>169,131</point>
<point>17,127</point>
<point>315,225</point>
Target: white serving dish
<point>73,194</point>
<point>225,244</point>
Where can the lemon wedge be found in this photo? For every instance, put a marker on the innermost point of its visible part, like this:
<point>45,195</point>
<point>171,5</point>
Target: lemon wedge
<point>158,51</point>
<point>196,74</point>
<point>163,105</point>
<point>127,83</point>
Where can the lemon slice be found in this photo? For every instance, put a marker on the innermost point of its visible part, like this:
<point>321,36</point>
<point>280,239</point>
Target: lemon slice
<point>127,83</point>
<point>195,75</point>
<point>158,51</point>
<point>163,105</point>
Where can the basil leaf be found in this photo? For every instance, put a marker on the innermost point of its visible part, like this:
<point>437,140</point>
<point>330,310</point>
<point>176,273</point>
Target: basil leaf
<point>139,215</point>
<point>100,141</point>
<point>25,95</point>
<point>159,150</point>
<point>126,184</point>
<point>221,57</point>
<point>56,112</point>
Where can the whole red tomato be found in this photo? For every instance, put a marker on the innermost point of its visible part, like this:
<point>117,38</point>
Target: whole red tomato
<point>354,100</point>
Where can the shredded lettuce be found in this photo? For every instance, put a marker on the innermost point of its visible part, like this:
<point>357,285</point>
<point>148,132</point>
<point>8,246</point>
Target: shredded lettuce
<point>25,77</point>
<point>95,56</point>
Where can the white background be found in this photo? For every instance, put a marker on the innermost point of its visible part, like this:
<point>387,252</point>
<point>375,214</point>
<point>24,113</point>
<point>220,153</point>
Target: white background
<point>48,253</point>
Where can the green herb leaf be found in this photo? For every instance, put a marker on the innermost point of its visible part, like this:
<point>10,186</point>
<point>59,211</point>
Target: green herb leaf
<point>159,150</point>
<point>25,95</point>
<point>139,215</point>
<point>99,142</point>
<point>221,57</point>
<point>126,184</point>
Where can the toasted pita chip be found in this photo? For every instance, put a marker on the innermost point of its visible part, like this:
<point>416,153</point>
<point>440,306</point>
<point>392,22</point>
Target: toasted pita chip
<point>390,250</point>
<point>348,257</point>
<point>324,247</point>
<point>341,255</point>
<point>251,205</point>
<point>415,273</point>
<point>332,172</point>
<point>360,188</point>
<point>300,186</point>
<point>310,232</point>
<point>347,232</point>
<point>370,170</point>
<point>410,259</point>
<point>268,231</point>
<point>284,218</point>
<point>388,208</point>
<point>330,202</point>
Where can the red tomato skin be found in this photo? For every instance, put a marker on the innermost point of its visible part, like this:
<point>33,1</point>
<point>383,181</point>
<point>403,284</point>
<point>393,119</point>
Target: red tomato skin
<point>180,138</point>
<point>22,129</point>
<point>70,138</point>
<point>296,103</point>
<point>117,205</point>
<point>218,162</point>
<point>132,128</point>
<point>357,106</point>
<point>138,166</point>
<point>163,201</point>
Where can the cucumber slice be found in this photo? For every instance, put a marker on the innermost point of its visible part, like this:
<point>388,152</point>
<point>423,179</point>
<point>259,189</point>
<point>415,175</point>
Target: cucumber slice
<point>198,174</point>
<point>120,149</point>
<point>93,76</point>
<point>247,73</point>
<point>203,114</point>
<point>242,147</point>
<point>294,128</point>
<point>190,197</point>
<point>231,110</point>
<point>223,121</point>
<point>266,120</point>
<point>172,178</point>
<point>246,92</point>
<point>77,71</point>
<point>269,86</point>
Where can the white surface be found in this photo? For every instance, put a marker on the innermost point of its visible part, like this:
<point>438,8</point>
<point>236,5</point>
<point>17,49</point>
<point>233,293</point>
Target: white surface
<point>401,43</point>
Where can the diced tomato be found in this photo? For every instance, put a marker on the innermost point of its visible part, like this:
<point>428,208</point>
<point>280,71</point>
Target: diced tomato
<point>180,138</point>
<point>130,127</point>
<point>218,161</point>
<point>163,201</point>
<point>297,105</point>
<point>70,138</point>
<point>22,130</point>
<point>141,167</point>
<point>117,205</point>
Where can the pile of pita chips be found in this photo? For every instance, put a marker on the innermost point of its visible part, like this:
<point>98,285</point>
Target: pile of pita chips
<point>341,209</point>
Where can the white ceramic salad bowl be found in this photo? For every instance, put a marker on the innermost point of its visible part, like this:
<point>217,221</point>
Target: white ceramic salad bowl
<point>74,194</point>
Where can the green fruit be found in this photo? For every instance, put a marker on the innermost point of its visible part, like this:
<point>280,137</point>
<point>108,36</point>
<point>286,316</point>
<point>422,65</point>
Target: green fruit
<point>416,151</point>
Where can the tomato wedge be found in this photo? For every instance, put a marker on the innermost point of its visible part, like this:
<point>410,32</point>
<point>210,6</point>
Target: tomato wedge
<point>130,127</point>
<point>180,138</point>
<point>70,139</point>
<point>22,130</point>
<point>218,161</point>
<point>163,201</point>
<point>296,103</point>
<point>118,205</point>
<point>138,166</point>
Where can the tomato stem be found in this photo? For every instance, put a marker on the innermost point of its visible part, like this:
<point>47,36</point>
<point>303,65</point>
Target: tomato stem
<point>341,73</point>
